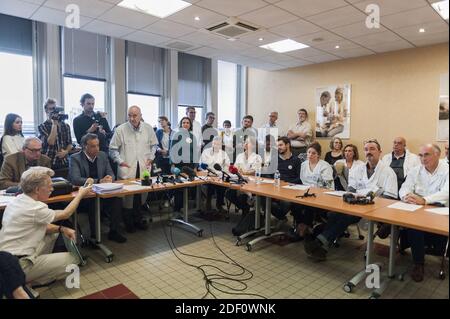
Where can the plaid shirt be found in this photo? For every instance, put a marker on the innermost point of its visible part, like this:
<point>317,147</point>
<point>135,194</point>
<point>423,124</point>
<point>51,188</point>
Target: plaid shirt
<point>63,140</point>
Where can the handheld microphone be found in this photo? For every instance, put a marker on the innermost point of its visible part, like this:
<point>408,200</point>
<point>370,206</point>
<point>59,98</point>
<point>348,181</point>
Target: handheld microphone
<point>189,172</point>
<point>234,170</point>
<point>218,168</point>
<point>176,172</point>
<point>204,166</point>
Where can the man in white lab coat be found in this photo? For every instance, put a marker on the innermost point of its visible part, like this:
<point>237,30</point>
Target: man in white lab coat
<point>425,184</point>
<point>133,148</point>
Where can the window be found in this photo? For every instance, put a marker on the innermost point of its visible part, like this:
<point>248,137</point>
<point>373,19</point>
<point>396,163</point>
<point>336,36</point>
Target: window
<point>227,92</point>
<point>16,71</point>
<point>149,107</point>
<point>182,113</point>
<point>73,90</point>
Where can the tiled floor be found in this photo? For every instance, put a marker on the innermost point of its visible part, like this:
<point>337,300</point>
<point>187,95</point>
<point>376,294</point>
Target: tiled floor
<point>148,267</point>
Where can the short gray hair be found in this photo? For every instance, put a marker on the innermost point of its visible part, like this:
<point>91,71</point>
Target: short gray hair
<point>28,140</point>
<point>34,177</point>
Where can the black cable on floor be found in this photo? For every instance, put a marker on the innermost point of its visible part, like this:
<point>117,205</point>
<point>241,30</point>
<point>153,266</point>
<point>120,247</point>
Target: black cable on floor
<point>214,280</point>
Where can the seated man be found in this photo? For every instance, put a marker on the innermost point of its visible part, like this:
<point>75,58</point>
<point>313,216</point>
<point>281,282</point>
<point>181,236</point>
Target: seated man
<point>28,232</point>
<point>425,184</point>
<point>374,176</point>
<point>92,163</point>
<point>15,164</point>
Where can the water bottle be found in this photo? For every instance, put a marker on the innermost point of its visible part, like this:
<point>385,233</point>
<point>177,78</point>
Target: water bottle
<point>258,175</point>
<point>276,178</point>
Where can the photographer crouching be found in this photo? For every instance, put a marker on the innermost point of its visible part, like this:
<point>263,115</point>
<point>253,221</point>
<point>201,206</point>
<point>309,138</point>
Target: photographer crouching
<point>28,232</point>
<point>56,138</point>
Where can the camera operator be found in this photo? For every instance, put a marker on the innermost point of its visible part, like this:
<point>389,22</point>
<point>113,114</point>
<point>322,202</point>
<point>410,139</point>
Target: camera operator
<point>55,136</point>
<point>92,122</point>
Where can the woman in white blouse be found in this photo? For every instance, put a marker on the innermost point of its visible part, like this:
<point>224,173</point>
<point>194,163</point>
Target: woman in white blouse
<point>12,139</point>
<point>211,156</point>
<point>346,166</point>
<point>314,172</point>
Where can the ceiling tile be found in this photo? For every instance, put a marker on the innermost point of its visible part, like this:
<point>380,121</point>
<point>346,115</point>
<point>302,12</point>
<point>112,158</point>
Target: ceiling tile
<point>326,37</point>
<point>374,39</point>
<point>169,29</point>
<point>354,52</point>
<point>390,46</point>
<point>267,37</point>
<point>146,38</point>
<point>187,15</point>
<point>392,6</point>
<point>39,2</point>
<point>88,8</point>
<point>338,17</point>
<point>113,30</point>
<point>256,52</point>
<point>411,17</point>
<point>295,28</point>
<point>430,39</point>
<point>304,53</point>
<point>305,8</point>
<point>331,46</point>
<point>323,58</point>
<point>200,37</point>
<point>430,28</point>
<point>54,16</point>
<point>205,51</point>
<point>231,7</point>
<point>295,63</point>
<point>128,18</point>
<point>357,29</point>
<point>269,16</point>
<point>17,8</point>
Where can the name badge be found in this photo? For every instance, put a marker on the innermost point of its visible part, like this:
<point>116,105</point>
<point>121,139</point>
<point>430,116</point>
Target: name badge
<point>188,140</point>
<point>290,167</point>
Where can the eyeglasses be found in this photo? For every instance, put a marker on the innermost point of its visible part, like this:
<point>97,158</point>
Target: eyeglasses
<point>38,150</point>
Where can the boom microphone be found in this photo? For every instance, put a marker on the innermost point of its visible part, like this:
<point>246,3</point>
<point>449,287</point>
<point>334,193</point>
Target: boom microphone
<point>204,166</point>
<point>234,170</point>
<point>189,172</point>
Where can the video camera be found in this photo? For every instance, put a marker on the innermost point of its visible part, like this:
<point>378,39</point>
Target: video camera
<point>58,114</point>
<point>355,199</point>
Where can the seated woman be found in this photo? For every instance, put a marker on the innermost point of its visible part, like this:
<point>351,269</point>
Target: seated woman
<point>183,152</point>
<point>246,162</point>
<point>28,232</point>
<point>12,139</point>
<point>211,156</point>
<point>314,172</point>
<point>336,151</point>
<point>344,167</point>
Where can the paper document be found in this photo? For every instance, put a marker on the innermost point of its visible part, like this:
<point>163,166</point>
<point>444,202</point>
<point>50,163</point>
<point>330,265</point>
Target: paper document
<point>106,188</point>
<point>405,206</point>
<point>133,188</point>
<point>439,210</point>
<point>297,187</point>
<point>336,193</point>
<point>267,181</point>
<point>5,200</point>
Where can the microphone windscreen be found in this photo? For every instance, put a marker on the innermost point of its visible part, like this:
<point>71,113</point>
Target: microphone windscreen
<point>203,166</point>
<point>175,171</point>
<point>217,167</point>
<point>189,171</point>
<point>233,169</point>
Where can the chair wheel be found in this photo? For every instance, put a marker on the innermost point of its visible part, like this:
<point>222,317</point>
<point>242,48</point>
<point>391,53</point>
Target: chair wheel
<point>401,277</point>
<point>109,259</point>
<point>238,242</point>
<point>361,237</point>
<point>348,287</point>
<point>248,247</point>
<point>200,233</point>
<point>441,275</point>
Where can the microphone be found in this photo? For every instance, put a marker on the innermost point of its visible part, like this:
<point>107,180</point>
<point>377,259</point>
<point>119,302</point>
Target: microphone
<point>204,166</point>
<point>233,170</point>
<point>189,172</point>
<point>156,170</point>
<point>176,171</point>
<point>218,168</point>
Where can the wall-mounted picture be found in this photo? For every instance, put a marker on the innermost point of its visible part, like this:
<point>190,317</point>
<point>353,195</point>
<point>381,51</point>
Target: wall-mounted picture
<point>443,109</point>
<point>333,111</point>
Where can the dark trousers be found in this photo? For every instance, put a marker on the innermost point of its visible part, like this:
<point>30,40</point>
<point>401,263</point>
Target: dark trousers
<point>336,225</point>
<point>220,194</point>
<point>178,197</point>
<point>111,205</point>
<point>280,209</point>
<point>306,214</point>
<point>163,164</point>
<point>240,200</point>
<point>418,240</point>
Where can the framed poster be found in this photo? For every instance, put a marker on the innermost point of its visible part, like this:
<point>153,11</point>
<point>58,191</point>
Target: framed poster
<point>333,111</point>
<point>443,109</point>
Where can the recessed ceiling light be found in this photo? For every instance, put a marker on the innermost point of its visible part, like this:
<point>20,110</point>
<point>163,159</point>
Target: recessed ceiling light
<point>231,39</point>
<point>317,40</point>
<point>421,30</point>
<point>337,47</point>
<point>260,39</point>
<point>442,8</point>
<point>197,18</point>
<point>284,46</point>
<point>158,8</point>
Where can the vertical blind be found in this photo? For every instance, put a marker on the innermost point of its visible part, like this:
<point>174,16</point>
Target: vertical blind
<point>192,80</point>
<point>145,65</point>
<point>84,54</point>
<point>15,35</point>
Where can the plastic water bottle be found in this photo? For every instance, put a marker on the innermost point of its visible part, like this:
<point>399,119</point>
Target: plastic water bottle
<point>277,179</point>
<point>258,175</point>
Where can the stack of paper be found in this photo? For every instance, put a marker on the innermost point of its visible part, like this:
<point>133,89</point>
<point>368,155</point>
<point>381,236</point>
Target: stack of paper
<point>336,193</point>
<point>297,187</point>
<point>405,206</point>
<point>439,211</point>
<point>106,188</point>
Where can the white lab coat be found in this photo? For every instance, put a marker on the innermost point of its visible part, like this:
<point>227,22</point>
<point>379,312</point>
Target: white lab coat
<point>383,178</point>
<point>131,146</point>
<point>322,171</point>
<point>411,161</point>
<point>432,187</point>
<point>210,158</point>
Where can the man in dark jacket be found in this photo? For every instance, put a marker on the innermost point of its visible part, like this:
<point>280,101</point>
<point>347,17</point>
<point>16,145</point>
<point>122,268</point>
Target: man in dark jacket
<point>92,163</point>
